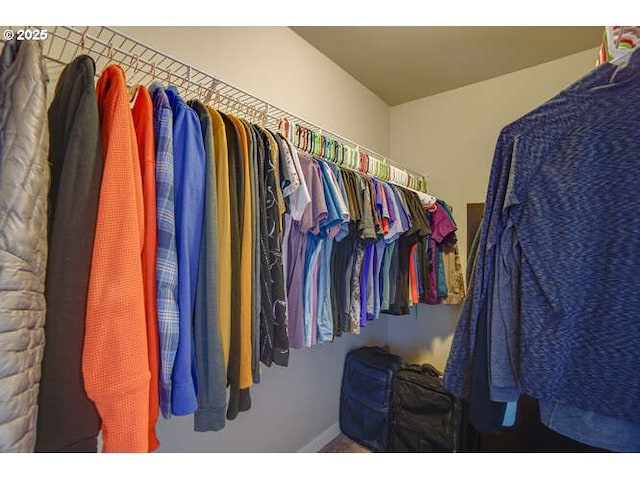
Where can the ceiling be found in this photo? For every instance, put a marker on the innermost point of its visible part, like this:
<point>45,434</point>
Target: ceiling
<point>400,64</point>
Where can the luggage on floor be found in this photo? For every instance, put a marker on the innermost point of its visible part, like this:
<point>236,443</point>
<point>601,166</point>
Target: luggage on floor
<point>424,416</point>
<point>365,395</point>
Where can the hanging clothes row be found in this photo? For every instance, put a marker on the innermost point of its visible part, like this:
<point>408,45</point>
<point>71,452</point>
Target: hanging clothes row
<point>320,145</point>
<point>553,305</point>
<point>187,247</point>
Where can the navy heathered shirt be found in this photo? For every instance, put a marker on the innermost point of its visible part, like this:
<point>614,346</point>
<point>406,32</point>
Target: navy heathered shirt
<point>577,322</point>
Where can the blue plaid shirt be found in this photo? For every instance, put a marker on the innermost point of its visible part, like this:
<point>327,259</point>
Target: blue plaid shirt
<point>167,258</point>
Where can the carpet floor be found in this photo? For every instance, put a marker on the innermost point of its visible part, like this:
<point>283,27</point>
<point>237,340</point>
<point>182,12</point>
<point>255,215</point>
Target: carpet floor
<point>343,444</point>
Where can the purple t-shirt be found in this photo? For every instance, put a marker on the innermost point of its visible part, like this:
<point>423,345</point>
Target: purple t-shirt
<point>295,270</point>
<point>313,214</point>
<point>441,226</point>
<point>316,211</point>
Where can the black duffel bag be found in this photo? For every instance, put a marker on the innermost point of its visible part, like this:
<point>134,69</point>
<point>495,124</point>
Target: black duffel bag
<point>424,416</point>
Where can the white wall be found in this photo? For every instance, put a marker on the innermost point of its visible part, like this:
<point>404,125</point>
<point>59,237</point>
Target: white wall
<point>291,405</point>
<point>276,65</point>
<point>451,137</point>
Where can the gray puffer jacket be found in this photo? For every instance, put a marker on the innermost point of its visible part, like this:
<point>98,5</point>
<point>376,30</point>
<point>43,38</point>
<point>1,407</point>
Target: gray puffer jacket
<point>24,182</point>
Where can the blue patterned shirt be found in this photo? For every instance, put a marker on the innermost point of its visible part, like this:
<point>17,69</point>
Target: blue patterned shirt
<point>167,258</point>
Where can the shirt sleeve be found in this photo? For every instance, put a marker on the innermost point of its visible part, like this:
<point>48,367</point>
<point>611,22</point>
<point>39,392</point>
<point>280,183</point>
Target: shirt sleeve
<point>441,224</point>
<point>316,210</point>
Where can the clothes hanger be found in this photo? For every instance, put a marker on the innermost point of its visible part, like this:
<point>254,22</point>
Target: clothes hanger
<point>301,141</point>
<point>614,52</point>
<point>210,90</point>
<point>305,138</point>
<point>618,44</point>
<point>283,127</point>
<point>134,88</point>
<point>264,115</point>
<point>188,78</point>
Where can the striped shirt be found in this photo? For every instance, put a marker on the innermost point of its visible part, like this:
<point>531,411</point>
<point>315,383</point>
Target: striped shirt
<point>167,259</point>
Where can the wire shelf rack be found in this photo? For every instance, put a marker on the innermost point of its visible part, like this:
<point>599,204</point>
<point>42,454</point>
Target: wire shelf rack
<point>143,64</point>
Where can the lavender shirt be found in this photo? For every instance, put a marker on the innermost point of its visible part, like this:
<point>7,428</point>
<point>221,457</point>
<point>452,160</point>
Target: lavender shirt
<point>313,214</point>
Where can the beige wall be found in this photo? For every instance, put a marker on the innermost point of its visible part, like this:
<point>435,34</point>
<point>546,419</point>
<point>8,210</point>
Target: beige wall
<point>275,64</point>
<point>451,137</point>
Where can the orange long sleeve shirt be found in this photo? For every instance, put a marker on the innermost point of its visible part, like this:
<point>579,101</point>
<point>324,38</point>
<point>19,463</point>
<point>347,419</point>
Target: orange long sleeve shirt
<point>115,361</point>
<point>142,112</point>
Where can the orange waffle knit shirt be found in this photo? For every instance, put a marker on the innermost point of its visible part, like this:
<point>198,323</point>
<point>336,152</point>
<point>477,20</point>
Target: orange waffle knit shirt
<point>142,111</point>
<point>115,362</point>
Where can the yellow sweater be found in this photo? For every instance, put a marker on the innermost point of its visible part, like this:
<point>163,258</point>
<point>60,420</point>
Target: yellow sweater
<point>246,376</point>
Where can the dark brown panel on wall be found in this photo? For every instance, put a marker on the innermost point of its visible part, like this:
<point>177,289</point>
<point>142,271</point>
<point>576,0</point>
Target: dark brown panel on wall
<point>474,217</point>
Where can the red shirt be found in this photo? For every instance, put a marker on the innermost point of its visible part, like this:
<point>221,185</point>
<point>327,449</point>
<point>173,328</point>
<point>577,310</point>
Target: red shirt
<point>142,112</point>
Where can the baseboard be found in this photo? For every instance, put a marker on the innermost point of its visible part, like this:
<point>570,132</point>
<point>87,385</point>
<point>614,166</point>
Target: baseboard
<point>322,439</point>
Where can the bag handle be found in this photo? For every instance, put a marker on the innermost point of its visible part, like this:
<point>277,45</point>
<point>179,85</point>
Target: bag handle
<point>425,368</point>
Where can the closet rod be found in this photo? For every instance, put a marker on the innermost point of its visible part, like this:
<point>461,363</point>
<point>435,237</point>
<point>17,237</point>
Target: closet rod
<point>143,64</point>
